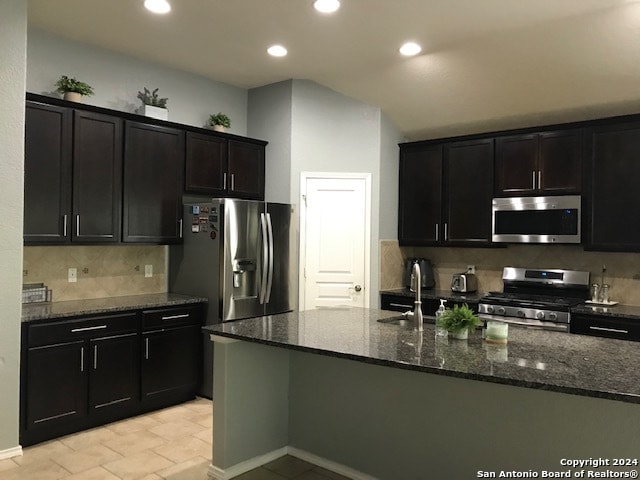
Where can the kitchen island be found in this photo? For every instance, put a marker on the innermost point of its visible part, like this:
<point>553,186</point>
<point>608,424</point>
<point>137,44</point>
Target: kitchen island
<point>376,400</point>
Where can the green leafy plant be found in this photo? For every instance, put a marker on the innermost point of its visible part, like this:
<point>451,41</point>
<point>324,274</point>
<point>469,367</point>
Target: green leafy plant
<point>220,119</point>
<point>458,318</point>
<point>151,98</point>
<point>66,84</point>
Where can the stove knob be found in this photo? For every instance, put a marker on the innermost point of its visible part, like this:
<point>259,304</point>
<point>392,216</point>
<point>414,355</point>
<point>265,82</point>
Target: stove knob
<point>520,313</point>
<point>553,316</point>
<point>500,311</point>
<point>489,308</point>
<point>540,315</point>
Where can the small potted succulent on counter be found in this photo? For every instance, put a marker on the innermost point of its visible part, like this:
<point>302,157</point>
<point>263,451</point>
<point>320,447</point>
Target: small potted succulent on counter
<point>72,89</point>
<point>152,105</point>
<point>458,321</point>
<point>219,122</point>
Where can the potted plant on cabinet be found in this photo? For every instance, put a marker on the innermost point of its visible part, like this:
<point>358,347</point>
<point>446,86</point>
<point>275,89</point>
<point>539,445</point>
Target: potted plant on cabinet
<point>152,105</point>
<point>458,321</point>
<point>219,122</point>
<point>72,89</point>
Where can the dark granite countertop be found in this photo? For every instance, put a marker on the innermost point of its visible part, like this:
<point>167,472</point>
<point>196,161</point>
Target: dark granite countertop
<point>438,294</point>
<point>561,362</point>
<point>46,311</point>
<point>628,312</point>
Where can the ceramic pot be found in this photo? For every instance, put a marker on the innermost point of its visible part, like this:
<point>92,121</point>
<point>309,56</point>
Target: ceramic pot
<point>218,128</point>
<point>460,335</point>
<point>155,112</point>
<point>73,96</point>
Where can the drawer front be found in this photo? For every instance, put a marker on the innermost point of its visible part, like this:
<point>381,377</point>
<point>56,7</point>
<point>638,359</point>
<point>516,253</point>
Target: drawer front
<point>601,326</point>
<point>171,317</point>
<point>82,328</point>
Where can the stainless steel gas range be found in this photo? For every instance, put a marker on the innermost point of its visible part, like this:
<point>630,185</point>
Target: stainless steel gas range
<point>536,298</point>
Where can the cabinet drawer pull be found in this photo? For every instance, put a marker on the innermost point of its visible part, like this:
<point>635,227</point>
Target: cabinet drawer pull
<point>173,317</point>
<point>46,419</point>
<point>604,329</point>
<point>400,305</point>
<point>87,329</point>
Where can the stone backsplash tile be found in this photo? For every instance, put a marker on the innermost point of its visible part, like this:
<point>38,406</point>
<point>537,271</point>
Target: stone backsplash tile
<point>103,271</point>
<point>623,269</point>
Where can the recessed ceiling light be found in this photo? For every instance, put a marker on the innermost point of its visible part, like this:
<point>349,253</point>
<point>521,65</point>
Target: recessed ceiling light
<point>157,6</point>
<point>277,51</point>
<point>410,48</point>
<point>326,6</point>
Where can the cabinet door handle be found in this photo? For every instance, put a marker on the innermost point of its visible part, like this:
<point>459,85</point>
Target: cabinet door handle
<point>540,179</point>
<point>173,317</point>
<point>64,225</point>
<point>180,227</point>
<point>533,179</point>
<point>446,232</point>
<point>400,305</point>
<point>224,181</point>
<point>95,357</point>
<point>437,232</point>
<point>146,348</point>
<point>604,329</point>
<point>77,225</point>
<point>82,359</point>
<point>88,329</point>
<point>233,181</point>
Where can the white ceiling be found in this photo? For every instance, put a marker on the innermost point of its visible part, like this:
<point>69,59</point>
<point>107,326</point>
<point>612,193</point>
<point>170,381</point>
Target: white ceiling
<point>485,65</point>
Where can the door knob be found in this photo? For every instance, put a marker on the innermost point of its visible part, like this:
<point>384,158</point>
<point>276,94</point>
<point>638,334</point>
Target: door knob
<point>358,288</point>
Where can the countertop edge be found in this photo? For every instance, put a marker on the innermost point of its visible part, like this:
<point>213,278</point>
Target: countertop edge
<point>622,397</point>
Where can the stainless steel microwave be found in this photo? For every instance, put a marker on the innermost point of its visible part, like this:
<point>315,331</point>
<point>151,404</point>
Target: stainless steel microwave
<point>536,219</point>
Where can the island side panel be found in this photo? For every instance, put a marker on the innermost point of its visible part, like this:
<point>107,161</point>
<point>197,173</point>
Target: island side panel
<point>401,424</point>
<point>250,401</point>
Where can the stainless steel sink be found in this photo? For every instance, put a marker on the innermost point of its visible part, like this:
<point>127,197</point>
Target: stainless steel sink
<point>402,321</point>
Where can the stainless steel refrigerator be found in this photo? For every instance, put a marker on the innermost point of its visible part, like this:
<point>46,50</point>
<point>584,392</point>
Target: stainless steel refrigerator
<point>238,254</point>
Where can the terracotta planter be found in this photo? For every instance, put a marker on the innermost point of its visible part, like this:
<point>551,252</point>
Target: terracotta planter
<point>73,96</point>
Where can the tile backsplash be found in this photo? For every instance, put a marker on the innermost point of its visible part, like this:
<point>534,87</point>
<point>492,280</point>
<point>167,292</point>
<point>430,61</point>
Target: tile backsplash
<point>623,269</point>
<point>102,271</point>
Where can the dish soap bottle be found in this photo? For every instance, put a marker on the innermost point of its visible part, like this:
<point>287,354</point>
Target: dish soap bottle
<point>440,331</point>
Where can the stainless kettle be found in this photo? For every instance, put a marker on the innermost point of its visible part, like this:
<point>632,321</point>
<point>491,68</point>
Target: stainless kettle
<point>464,283</point>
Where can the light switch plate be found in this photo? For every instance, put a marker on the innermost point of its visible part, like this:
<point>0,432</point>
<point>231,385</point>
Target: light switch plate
<point>148,271</point>
<point>73,275</point>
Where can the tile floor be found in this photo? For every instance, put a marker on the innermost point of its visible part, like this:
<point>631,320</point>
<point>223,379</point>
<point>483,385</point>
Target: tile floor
<point>172,444</point>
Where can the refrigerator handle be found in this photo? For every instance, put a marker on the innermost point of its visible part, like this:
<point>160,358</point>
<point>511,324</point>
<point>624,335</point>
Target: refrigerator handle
<point>270,272</point>
<point>265,258</point>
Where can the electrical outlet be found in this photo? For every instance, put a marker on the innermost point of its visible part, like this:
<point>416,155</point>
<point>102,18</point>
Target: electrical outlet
<point>73,275</point>
<point>471,269</point>
<point>148,271</point>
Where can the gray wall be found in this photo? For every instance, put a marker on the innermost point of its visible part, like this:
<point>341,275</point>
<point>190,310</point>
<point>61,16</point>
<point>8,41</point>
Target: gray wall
<point>116,80</point>
<point>270,119</point>
<point>13,47</point>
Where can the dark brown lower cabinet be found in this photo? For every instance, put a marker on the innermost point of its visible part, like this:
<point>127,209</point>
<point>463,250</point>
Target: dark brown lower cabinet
<point>56,390</point>
<point>86,371</point>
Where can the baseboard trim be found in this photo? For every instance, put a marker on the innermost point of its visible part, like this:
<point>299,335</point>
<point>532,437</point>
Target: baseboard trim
<point>11,452</point>
<point>217,473</point>
<point>329,465</point>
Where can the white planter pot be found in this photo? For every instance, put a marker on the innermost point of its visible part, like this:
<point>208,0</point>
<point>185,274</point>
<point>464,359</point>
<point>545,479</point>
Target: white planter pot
<point>218,128</point>
<point>155,112</point>
<point>73,96</point>
<point>461,335</point>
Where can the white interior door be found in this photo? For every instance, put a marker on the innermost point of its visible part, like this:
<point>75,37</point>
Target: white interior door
<point>335,240</point>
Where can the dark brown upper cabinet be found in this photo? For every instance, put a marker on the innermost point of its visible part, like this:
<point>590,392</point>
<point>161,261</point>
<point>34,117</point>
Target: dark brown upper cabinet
<point>73,176</point>
<point>612,198</point>
<point>420,195</point>
<point>548,163</point>
<point>153,169</point>
<point>468,172</point>
<point>224,167</point>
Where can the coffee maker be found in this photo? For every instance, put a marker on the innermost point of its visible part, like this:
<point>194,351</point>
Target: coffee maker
<point>426,270</point>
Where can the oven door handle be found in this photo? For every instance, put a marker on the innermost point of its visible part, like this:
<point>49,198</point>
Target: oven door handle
<point>564,327</point>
